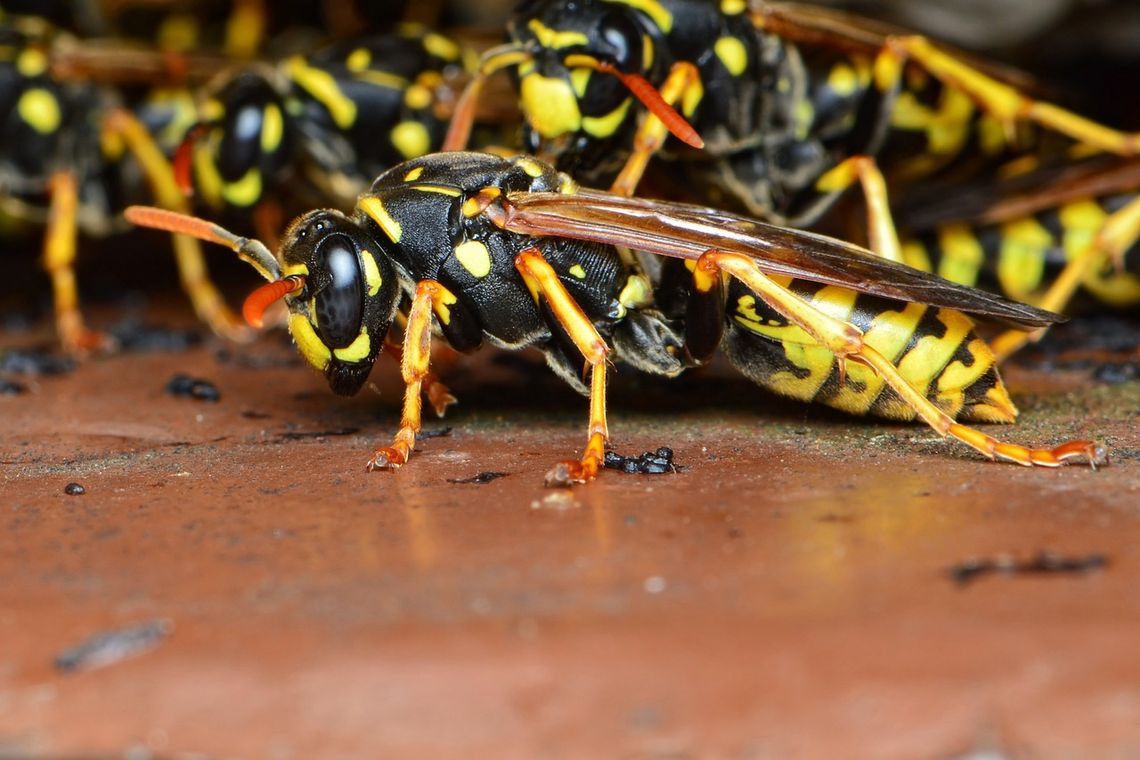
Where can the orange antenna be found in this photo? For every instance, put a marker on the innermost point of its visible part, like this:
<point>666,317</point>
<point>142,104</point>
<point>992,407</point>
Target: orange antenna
<point>261,299</point>
<point>183,158</point>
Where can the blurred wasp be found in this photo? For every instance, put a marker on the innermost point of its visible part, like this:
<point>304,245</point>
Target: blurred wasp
<point>71,156</point>
<point>512,252</point>
<point>793,104</point>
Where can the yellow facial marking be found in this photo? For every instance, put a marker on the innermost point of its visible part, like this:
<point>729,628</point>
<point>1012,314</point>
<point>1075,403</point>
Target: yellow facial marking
<point>323,87</point>
<point>411,138</point>
<point>414,174</point>
<point>551,105</point>
<point>652,8</point>
<point>372,276</point>
<point>604,126</point>
<point>474,257</point>
<point>580,80</point>
<point>40,110</point>
<point>31,63</point>
<point>843,79</point>
<point>732,54</point>
<point>244,192</point>
<point>272,127</point>
<point>554,40</point>
<point>375,209</point>
<point>358,60</point>
<point>358,350</point>
<point>312,349</point>
<point>300,270</point>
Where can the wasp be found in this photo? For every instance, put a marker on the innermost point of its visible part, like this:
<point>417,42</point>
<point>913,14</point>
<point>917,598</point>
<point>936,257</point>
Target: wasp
<point>509,251</point>
<point>71,157</point>
<point>793,105</point>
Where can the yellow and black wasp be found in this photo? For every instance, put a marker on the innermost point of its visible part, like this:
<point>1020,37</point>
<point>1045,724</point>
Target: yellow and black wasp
<point>72,155</point>
<point>511,252</point>
<point>793,103</point>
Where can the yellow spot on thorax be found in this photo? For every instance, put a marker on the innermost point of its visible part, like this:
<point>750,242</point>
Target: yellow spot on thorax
<point>31,63</point>
<point>323,87</point>
<point>411,138</point>
<point>531,167</point>
<point>417,97</point>
<point>732,54</point>
<point>652,8</point>
<point>447,190</point>
<point>372,276</point>
<point>359,59</point>
<point>39,109</point>
<point>414,174</point>
<point>474,257</point>
<point>577,272</point>
<point>374,208</point>
<point>441,47</point>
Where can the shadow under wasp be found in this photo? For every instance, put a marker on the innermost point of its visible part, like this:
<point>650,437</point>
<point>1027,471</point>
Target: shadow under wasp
<point>478,248</point>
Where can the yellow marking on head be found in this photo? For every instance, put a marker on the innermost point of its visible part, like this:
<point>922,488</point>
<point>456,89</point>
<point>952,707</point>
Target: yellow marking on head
<point>39,109</point>
<point>550,104</point>
<point>374,208</point>
<point>417,97</point>
<point>578,272</point>
<point>323,88</point>
<point>272,127</point>
<point>531,167</point>
<point>474,257</point>
<point>301,270</point>
<point>372,276</point>
<point>962,254</point>
<point>243,192</point>
<point>414,174</point>
<point>453,192</point>
<point>1025,244</point>
<point>473,206</point>
<point>441,47</point>
<point>411,138</point>
<point>580,80</point>
<point>315,352</point>
<point>358,350</point>
<point>732,54</point>
<point>652,8</point>
<point>637,293</point>
<point>733,7</point>
<point>359,59</point>
<point>647,52</point>
<point>604,126</point>
<point>31,62</point>
<point>549,38</point>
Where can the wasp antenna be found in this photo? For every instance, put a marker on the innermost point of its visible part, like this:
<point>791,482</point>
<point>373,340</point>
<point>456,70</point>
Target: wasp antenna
<point>259,300</point>
<point>649,97</point>
<point>249,250</point>
<point>182,161</point>
<point>462,118</point>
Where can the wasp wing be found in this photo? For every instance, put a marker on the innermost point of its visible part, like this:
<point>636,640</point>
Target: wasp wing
<point>684,231</point>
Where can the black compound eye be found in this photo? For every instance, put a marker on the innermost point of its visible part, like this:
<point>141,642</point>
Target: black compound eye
<point>623,41</point>
<point>339,305</point>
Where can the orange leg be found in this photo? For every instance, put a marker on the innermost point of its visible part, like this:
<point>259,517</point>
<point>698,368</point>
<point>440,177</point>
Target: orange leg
<point>543,282</point>
<point>438,394</point>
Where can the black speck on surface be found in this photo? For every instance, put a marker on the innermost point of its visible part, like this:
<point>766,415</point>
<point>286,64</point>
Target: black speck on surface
<point>74,489</point>
<point>1043,563</point>
<point>109,647</point>
<point>650,463</point>
<point>34,362</point>
<point>133,336</point>
<point>423,435</point>
<point>299,435</point>
<point>9,388</point>
<point>1117,373</point>
<point>479,479</point>
<point>194,387</point>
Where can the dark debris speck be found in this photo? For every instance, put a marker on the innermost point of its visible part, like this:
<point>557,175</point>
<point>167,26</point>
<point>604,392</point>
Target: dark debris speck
<point>479,479</point>
<point>423,435</point>
<point>1043,563</point>
<point>650,463</point>
<point>134,336</point>
<point>1117,373</point>
<point>111,646</point>
<point>34,362</point>
<point>74,489</point>
<point>194,387</point>
<point>10,388</point>
<point>300,435</point>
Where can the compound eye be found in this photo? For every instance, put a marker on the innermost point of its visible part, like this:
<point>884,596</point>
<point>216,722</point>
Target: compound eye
<point>339,304</point>
<point>623,40</point>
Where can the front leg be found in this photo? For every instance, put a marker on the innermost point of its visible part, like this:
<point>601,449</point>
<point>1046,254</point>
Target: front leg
<point>543,282</point>
<point>414,367</point>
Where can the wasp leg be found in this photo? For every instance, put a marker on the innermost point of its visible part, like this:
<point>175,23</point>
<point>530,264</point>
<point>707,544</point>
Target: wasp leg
<point>543,281</point>
<point>845,341</point>
<point>883,237</point>
<point>1005,103</point>
<point>59,260</point>
<point>245,30</point>
<point>1116,236</point>
<point>415,362</point>
<point>463,117</point>
<point>683,85</point>
<point>203,295</point>
<point>438,394</point>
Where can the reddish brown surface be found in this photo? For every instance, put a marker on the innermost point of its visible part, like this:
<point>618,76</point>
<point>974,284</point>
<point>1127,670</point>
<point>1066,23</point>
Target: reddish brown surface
<point>786,595</point>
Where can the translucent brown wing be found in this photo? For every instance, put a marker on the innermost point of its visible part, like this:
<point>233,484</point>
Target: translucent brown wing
<point>682,231</point>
